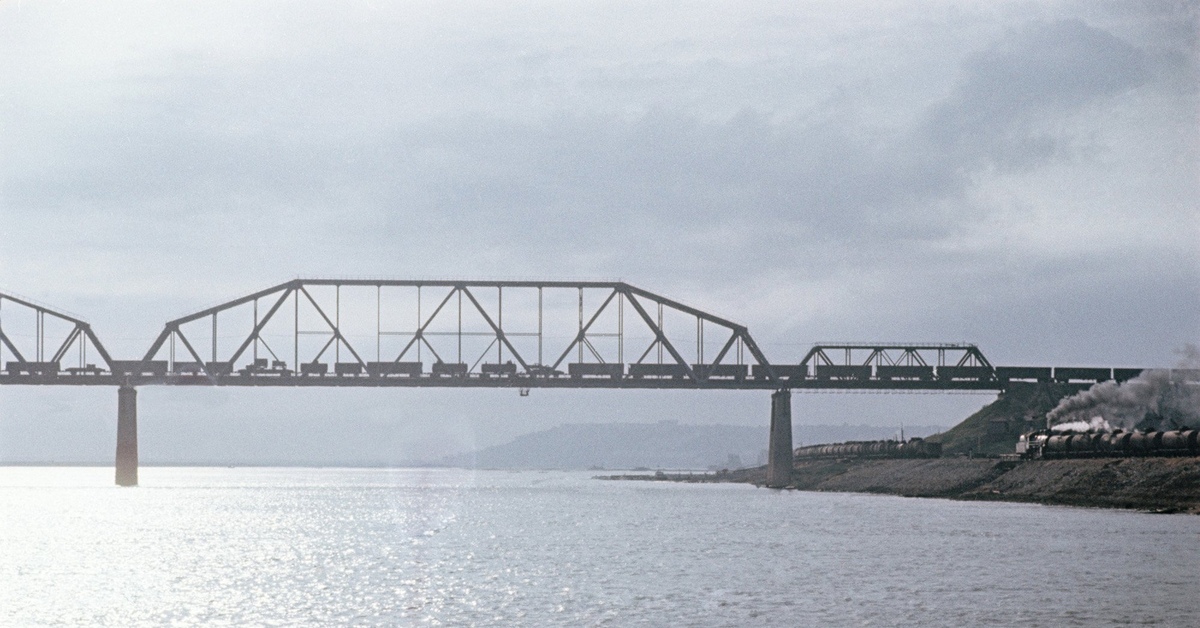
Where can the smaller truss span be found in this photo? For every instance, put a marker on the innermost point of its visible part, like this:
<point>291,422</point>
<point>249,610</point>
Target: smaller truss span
<point>37,342</point>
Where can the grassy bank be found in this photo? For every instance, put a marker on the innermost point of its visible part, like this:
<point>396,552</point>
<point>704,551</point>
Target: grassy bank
<point>994,429</point>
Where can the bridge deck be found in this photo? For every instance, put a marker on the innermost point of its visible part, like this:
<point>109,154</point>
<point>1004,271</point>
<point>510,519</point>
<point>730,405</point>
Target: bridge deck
<point>483,381</point>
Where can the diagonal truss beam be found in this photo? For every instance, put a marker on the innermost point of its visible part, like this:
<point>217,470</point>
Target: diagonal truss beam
<point>499,332</point>
<point>662,338</point>
<point>584,330</point>
<point>191,350</point>
<point>733,337</point>
<point>158,342</point>
<point>295,283</point>
<point>675,305</point>
<point>815,356</point>
<point>974,353</point>
<point>263,323</point>
<point>747,340</point>
<point>66,344</point>
<point>337,333</point>
<point>87,330</point>
<point>419,336</point>
<point>11,347</point>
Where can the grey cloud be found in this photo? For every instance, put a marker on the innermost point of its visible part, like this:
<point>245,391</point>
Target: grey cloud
<point>1004,108</point>
<point>1065,64</point>
<point>223,144</point>
<point>667,193</point>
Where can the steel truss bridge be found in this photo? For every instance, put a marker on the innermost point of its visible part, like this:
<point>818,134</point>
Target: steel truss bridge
<point>493,334</point>
<point>488,334</point>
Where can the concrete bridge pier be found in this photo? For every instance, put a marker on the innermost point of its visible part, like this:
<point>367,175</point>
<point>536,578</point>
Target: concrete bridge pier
<point>127,449</point>
<point>779,452</point>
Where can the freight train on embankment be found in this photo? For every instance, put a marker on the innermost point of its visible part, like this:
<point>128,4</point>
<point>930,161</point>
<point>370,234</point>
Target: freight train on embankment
<point>1048,444</point>
<point>1152,471</point>
<point>978,459</point>
<point>1035,445</point>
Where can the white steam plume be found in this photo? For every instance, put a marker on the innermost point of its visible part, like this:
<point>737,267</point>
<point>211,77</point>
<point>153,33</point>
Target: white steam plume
<point>1097,423</point>
<point>1150,400</point>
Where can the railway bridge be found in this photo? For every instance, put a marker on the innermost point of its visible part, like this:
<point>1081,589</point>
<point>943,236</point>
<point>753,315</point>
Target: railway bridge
<point>478,334</point>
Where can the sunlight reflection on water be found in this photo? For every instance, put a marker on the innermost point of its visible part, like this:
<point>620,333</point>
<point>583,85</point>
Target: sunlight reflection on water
<point>419,546</point>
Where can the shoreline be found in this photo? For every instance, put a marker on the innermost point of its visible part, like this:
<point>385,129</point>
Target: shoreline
<point>1159,485</point>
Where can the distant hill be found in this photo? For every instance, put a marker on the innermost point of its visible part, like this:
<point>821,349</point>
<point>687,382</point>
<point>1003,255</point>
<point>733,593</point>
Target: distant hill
<point>994,429</point>
<point>663,445</point>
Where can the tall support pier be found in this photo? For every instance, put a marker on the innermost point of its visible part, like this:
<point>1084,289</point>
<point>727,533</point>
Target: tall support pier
<point>779,456</point>
<point>127,449</point>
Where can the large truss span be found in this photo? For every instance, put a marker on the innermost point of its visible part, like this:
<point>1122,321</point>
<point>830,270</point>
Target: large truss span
<point>455,329</point>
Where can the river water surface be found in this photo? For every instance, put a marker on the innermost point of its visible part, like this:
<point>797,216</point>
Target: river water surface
<point>259,546</point>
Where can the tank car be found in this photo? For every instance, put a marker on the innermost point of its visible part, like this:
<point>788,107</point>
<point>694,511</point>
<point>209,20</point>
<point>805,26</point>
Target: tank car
<point>1118,443</point>
<point>912,448</point>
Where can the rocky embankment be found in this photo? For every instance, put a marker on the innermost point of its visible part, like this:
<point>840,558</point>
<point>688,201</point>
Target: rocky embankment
<point>1153,484</point>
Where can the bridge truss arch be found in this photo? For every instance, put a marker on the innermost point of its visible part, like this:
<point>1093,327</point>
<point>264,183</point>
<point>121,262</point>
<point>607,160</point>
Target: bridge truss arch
<point>898,362</point>
<point>39,341</point>
<point>428,332</point>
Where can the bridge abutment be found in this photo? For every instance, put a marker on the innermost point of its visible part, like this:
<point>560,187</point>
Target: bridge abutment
<point>779,452</point>
<point>127,449</point>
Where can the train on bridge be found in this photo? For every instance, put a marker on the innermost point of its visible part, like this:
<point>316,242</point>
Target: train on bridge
<point>789,373</point>
<point>488,333</point>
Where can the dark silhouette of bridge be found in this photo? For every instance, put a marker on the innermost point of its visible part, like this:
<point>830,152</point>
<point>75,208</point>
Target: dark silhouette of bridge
<point>490,334</point>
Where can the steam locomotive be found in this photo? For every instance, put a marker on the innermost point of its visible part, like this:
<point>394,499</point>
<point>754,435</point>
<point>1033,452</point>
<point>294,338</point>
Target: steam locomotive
<point>1049,444</point>
<point>912,448</point>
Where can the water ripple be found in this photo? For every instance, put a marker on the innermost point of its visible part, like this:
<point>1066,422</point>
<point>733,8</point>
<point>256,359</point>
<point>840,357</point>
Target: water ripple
<point>297,547</point>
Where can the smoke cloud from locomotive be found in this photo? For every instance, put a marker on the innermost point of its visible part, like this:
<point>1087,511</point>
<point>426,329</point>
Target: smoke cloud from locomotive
<point>1148,401</point>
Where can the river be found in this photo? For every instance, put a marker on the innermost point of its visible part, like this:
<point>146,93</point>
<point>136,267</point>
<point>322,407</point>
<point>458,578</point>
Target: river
<point>294,546</point>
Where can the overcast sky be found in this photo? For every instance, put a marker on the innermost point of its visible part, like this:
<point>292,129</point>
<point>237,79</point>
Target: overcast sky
<point>1018,175</point>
